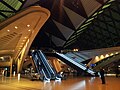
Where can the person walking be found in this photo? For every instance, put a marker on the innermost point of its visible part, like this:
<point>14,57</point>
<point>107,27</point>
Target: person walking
<point>102,76</point>
<point>117,72</point>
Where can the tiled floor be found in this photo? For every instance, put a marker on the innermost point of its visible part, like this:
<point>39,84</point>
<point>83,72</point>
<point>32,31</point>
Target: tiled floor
<point>81,83</point>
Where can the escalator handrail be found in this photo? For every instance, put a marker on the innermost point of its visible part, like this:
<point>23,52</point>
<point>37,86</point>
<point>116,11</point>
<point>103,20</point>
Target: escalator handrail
<point>82,66</point>
<point>45,74</point>
<point>35,63</point>
<point>44,64</point>
<point>49,67</point>
<point>70,60</point>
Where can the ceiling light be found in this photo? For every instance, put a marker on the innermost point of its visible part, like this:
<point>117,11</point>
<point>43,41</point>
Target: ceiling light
<point>16,27</point>
<point>106,55</point>
<point>111,54</point>
<point>97,58</point>
<point>28,25</point>
<point>29,30</point>
<point>30,56</point>
<point>116,53</point>
<point>8,30</point>
<point>23,40</point>
<point>20,46</point>
<point>102,57</point>
<point>25,37</point>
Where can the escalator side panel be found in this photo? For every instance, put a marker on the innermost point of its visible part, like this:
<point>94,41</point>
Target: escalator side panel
<point>39,66</point>
<point>43,66</point>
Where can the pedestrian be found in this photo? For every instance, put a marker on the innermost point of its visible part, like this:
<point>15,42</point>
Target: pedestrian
<point>102,76</point>
<point>117,72</point>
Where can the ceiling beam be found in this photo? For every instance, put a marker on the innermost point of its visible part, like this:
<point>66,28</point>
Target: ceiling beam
<point>8,5</point>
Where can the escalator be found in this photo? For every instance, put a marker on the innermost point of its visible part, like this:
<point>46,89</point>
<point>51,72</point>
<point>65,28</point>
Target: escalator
<point>75,57</point>
<point>78,66</point>
<point>43,68</point>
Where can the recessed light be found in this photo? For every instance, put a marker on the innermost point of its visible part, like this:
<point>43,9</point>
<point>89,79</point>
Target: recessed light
<point>28,25</point>
<point>20,46</point>
<point>8,30</point>
<point>29,30</point>
<point>16,27</point>
<point>25,37</point>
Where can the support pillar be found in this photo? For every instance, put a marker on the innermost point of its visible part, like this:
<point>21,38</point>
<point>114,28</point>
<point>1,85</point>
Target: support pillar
<point>11,61</point>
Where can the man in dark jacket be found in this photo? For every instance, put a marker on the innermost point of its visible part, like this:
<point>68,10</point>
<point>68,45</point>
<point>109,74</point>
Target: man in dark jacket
<point>102,76</point>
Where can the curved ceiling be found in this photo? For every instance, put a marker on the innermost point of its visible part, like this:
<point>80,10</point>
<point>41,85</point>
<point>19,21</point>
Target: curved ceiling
<point>19,31</point>
<point>82,24</point>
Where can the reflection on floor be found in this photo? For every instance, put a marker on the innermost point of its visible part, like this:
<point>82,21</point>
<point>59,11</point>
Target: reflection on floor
<point>81,83</point>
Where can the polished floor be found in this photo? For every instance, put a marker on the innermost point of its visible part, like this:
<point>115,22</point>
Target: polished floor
<point>79,83</point>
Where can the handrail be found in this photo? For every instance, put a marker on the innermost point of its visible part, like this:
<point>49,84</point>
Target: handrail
<point>44,63</point>
<point>80,65</point>
<point>49,67</point>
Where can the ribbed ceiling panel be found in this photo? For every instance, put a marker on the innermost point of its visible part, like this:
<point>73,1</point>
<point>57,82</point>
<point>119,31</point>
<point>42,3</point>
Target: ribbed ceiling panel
<point>64,30</point>
<point>57,41</point>
<point>75,18</point>
<point>90,6</point>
